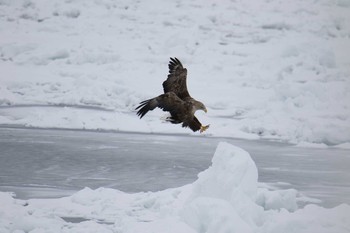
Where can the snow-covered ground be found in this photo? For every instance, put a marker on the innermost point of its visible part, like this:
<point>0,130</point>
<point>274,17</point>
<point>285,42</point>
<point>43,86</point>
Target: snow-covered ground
<point>225,198</point>
<point>265,69</point>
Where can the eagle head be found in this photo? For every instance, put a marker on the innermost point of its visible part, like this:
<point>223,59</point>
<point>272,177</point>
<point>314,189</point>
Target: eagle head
<point>199,106</point>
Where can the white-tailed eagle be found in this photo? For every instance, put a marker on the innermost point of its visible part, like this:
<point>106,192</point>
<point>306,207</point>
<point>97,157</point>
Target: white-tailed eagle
<point>176,99</point>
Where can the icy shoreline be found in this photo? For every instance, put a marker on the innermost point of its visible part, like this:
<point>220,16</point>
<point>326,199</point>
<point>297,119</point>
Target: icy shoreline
<point>93,118</point>
<point>224,198</point>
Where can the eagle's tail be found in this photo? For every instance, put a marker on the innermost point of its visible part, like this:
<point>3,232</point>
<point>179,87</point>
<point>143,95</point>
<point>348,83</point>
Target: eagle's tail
<point>145,106</point>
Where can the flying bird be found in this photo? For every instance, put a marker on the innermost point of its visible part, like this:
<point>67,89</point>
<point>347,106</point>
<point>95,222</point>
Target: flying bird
<point>176,100</point>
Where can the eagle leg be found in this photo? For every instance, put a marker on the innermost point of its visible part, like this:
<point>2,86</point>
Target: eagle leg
<point>173,120</point>
<point>204,128</point>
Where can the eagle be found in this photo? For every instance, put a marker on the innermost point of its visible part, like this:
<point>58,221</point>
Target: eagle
<point>176,100</point>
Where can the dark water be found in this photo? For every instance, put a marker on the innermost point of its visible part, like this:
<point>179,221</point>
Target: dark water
<point>37,163</point>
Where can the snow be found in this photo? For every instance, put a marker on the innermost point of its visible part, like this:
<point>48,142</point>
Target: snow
<point>343,145</point>
<point>264,69</point>
<point>226,197</point>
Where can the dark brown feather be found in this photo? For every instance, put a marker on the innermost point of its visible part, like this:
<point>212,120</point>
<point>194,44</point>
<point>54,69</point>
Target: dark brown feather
<point>145,106</point>
<point>168,102</point>
<point>176,81</point>
<point>193,123</point>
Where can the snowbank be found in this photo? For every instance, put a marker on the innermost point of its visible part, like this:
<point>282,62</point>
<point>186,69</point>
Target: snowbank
<point>224,198</point>
<point>261,75</point>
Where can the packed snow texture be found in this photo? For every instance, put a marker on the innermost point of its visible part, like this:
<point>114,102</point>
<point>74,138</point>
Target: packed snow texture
<point>265,69</point>
<point>225,198</point>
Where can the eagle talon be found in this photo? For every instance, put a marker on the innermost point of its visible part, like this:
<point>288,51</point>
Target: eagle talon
<point>204,128</point>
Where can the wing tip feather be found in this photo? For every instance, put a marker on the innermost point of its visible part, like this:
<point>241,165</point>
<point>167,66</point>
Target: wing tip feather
<point>173,64</point>
<point>143,108</point>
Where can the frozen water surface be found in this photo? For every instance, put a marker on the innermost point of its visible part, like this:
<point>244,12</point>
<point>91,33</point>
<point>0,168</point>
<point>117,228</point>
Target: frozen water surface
<point>39,163</point>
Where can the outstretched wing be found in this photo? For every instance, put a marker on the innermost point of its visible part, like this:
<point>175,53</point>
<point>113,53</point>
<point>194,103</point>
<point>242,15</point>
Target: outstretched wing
<point>169,102</point>
<point>176,81</point>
